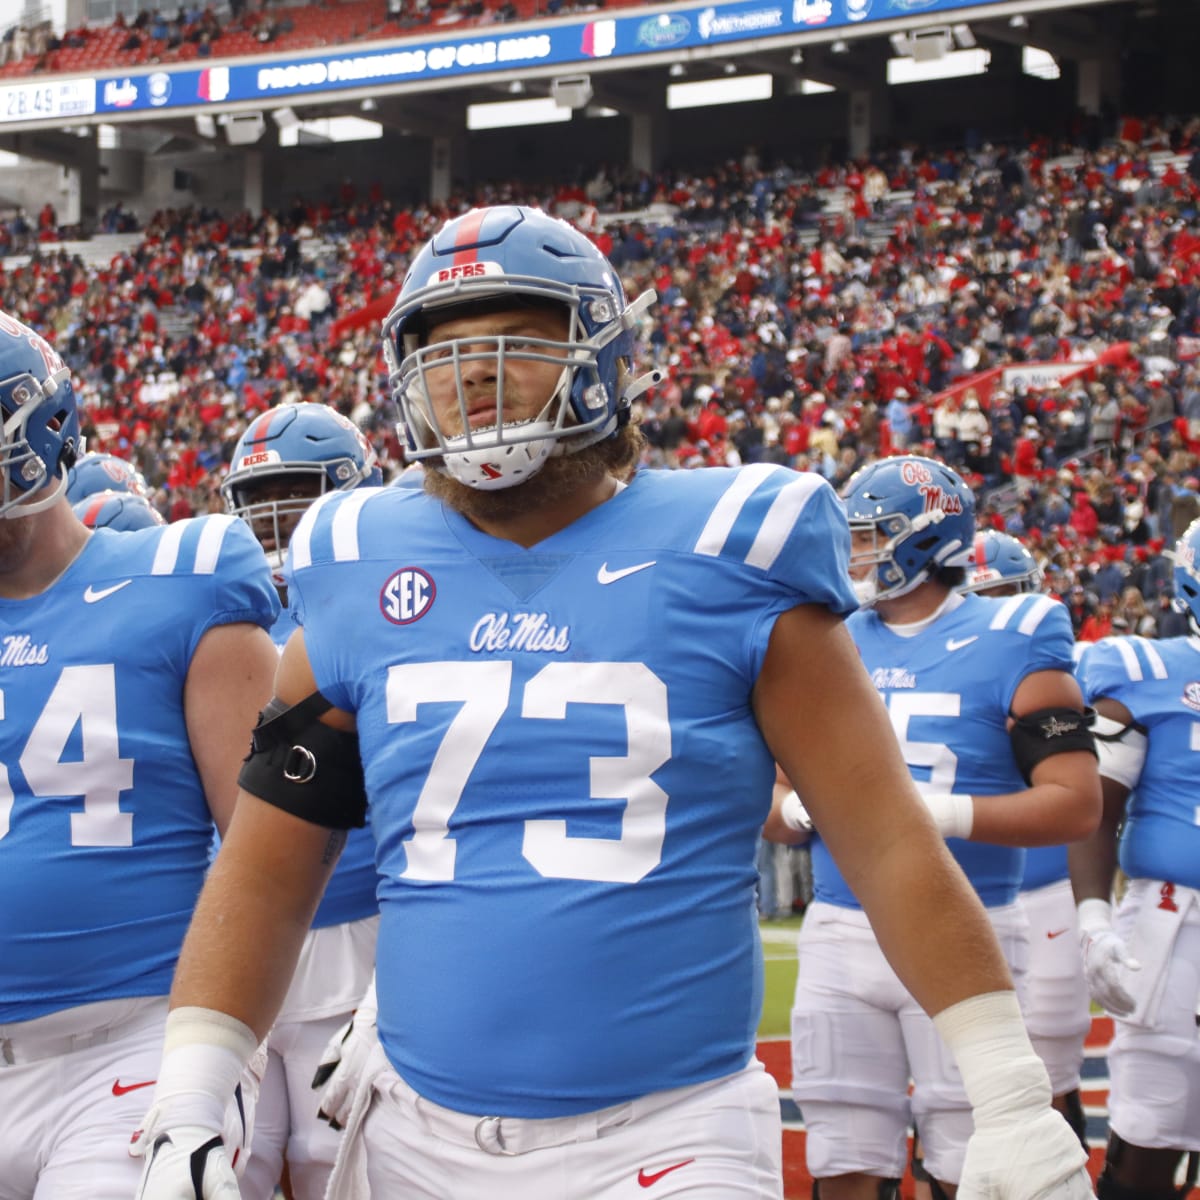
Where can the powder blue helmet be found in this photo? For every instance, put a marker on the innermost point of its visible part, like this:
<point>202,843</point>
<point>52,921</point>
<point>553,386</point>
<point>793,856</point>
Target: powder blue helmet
<point>921,517</point>
<point>40,414</point>
<point>122,511</point>
<point>501,259</point>
<point>1001,561</point>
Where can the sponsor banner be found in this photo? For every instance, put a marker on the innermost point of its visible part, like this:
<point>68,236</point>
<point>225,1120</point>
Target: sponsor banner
<point>471,52</point>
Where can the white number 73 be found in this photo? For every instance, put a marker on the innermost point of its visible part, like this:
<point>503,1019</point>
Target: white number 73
<point>483,689</point>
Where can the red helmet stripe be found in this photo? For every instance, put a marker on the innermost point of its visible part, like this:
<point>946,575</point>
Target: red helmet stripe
<point>468,232</point>
<point>93,510</point>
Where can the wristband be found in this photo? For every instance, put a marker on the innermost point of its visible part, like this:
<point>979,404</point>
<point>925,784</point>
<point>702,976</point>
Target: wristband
<point>204,1053</point>
<point>1002,1075</point>
<point>794,815</point>
<point>953,813</point>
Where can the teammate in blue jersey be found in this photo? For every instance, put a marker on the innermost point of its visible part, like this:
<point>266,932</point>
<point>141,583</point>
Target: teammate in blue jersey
<point>1055,1002</point>
<point>284,460</point>
<point>1144,965</point>
<point>991,724</point>
<point>131,668</point>
<point>566,694</point>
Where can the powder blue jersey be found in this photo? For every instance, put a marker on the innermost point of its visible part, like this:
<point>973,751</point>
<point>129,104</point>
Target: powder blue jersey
<point>566,780</point>
<point>350,895</point>
<point>104,825</point>
<point>1159,683</point>
<point>948,691</point>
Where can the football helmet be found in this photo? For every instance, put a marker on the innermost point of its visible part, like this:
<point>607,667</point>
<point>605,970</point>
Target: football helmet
<point>500,259</point>
<point>122,511</point>
<point>104,473</point>
<point>1002,561</point>
<point>40,414</point>
<point>286,458</point>
<point>920,515</point>
<point>1186,557</point>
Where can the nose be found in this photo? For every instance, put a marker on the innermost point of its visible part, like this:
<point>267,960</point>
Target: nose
<point>478,362</point>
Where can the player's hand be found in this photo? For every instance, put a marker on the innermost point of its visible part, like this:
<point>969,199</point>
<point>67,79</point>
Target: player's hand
<point>343,1061</point>
<point>1106,959</point>
<point>184,1163</point>
<point>1036,1158</point>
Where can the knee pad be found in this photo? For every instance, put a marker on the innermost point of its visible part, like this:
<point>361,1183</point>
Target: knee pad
<point>1076,1117</point>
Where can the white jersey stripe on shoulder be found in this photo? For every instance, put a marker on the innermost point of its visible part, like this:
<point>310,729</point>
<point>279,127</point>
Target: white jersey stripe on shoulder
<point>780,520</point>
<point>1010,606</point>
<point>345,525</point>
<point>1158,668</point>
<point>721,520</point>
<point>1036,615</point>
<point>167,554</point>
<point>211,537</point>
<point>300,546</point>
<point>1133,668</point>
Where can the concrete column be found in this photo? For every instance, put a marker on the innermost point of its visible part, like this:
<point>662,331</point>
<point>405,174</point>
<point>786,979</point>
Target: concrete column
<point>446,153</point>
<point>82,200</point>
<point>648,141</point>
<point>1097,80</point>
<point>252,180</point>
<point>859,133</point>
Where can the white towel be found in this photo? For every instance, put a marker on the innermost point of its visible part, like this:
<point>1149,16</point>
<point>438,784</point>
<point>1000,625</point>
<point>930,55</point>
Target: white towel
<point>1162,910</point>
<point>348,1179</point>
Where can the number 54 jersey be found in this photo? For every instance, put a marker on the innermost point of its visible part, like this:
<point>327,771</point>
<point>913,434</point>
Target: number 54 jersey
<point>566,780</point>
<point>104,826</point>
<point>948,690</point>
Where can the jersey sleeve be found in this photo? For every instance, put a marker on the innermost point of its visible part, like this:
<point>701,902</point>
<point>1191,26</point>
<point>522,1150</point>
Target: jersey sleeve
<point>1039,637</point>
<point>787,533</point>
<point>1113,667</point>
<point>221,551</point>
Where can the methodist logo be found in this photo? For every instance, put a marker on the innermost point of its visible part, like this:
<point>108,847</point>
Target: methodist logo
<point>663,30</point>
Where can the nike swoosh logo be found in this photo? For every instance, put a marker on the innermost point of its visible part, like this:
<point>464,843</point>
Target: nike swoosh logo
<point>119,1088</point>
<point>1057,933</point>
<point>646,1179</point>
<point>604,575</point>
<point>91,595</point>
<point>958,643</point>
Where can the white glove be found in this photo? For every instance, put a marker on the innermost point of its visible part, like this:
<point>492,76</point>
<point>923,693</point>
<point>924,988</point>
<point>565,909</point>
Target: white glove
<point>185,1163</point>
<point>343,1060</point>
<point>1039,1158</point>
<point>1106,958</point>
<point>794,815</point>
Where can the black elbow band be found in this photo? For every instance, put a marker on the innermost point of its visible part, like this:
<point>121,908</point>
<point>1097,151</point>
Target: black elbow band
<point>307,768</point>
<point>1049,731</point>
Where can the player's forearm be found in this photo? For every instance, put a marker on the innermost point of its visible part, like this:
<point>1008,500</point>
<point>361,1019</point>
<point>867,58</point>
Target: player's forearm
<point>253,914</point>
<point>1093,861</point>
<point>937,938</point>
<point>1047,814</point>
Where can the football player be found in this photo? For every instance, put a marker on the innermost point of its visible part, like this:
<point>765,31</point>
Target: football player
<point>563,696</point>
<point>991,724</point>
<point>98,472</point>
<point>121,511</point>
<point>1142,964</point>
<point>1055,1002</point>
<point>285,460</point>
<point>131,668</point>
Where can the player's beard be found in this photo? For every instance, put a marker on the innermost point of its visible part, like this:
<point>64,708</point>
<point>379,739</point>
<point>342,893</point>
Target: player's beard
<point>561,476</point>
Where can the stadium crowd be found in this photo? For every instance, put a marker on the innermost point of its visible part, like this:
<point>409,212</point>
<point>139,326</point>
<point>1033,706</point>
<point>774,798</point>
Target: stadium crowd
<point>817,318</point>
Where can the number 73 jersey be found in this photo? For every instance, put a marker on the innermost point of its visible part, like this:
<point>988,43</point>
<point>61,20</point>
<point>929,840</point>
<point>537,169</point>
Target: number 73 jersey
<point>566,780</point>
<point>948,690</point>
<point>104,827</point>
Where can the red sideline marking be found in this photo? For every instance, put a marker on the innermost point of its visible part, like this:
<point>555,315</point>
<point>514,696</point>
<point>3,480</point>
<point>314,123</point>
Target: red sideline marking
<point>1101,1032</point>
<point>777,1058</point>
